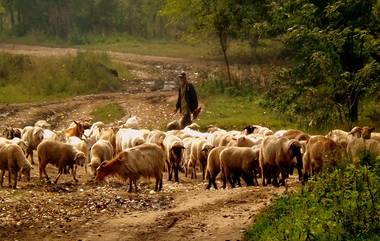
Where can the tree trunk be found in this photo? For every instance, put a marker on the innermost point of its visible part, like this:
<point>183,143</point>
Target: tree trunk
<point>353,109</point>
<point>12,19</point>
<point>223,45</point>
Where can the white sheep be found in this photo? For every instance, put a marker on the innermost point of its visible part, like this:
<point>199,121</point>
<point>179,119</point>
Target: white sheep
<point>127,138</point>
<point>80,145</point>
<point>101,151</point>
<point>174,148</point>
<point>33,136</point>
<point>199,153</point>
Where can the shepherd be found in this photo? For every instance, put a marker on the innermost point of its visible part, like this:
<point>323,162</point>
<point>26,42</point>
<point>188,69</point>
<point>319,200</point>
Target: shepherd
<point>187,102</point>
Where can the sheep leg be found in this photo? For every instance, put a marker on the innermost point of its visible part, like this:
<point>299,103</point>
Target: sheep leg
<point>224,179</point>
<point>209,183</point>
<point>157,183</point>
<point>264,175</point>
<point>2,177</point>
<point>256,182</point>
<point>176,170</point>
<point>59,174</point>
<point>130,185</point>
<point>31,156</point>
<point>275,177</point>
<point>299,168</point>
<point>9,177</point>
<point>135,182</point>
<point>74,172</point>
<point>15,181</point>
<point>170,171</point>
<point>230,180</point>
<point>160,187</point>
<point>214,183</point>
<point>203,172</point>
<point>283,177</point>
<point>19,176</point>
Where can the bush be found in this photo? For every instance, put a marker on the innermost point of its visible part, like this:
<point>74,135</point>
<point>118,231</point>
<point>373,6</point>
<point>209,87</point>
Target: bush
<point>48,78</point>
<point>340,205</point>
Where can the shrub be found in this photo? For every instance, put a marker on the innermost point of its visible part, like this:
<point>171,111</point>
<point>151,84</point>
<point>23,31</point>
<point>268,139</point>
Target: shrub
<point>340,205</point>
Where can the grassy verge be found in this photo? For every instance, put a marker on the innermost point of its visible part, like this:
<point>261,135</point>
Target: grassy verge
<point>25,78</point>
<point>230,112</point>
<point>108,113</point>
<point>268,50</point>
<point>343,204</point>
<point>234,107</point>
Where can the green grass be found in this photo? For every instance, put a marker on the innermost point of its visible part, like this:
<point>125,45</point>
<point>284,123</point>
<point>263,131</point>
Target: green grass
<point>267,51</point>
<point>26,78</point>
<point>230,112</point>
<point>108,113</point>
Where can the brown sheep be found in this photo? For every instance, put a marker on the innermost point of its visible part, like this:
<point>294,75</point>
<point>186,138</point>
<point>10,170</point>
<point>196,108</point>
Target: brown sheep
<point>240,161</point>
<point>61,155</point>
<point>213,166</point>
<point>276,155</point>
<point>321,152</point>
<point>33,136</point>
<point>146,160</point>
<point>12,159</point>
<point>10,132</point>
<point>101,151</point>
<point>198,154</point>
<point>174,149</point>
<point>76,128</point>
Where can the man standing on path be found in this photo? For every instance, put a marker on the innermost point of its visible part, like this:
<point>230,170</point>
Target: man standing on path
<point>187,102</point>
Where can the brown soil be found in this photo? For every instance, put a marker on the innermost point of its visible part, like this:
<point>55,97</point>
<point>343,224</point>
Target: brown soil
<point>106,211</point>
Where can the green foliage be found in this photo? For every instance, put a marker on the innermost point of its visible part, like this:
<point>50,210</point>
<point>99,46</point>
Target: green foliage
<point>70,19</point>
<point>24,78</point>
<point>232,107</point>
<point>340,205</point>
<point>108,113</point>
<point>335,47</point>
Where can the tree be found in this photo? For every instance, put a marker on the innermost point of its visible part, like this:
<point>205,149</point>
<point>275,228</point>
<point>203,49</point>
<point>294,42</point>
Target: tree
<point>334,45</point>
<point>214,17</point>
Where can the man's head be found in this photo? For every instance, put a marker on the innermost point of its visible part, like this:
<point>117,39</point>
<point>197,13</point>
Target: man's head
<point>182,78</point>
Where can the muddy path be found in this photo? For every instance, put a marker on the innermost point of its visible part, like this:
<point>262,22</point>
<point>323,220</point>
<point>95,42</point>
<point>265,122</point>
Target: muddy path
<point>106,211</point>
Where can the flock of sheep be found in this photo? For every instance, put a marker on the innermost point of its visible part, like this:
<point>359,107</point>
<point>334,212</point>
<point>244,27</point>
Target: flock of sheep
<point>130,153</point>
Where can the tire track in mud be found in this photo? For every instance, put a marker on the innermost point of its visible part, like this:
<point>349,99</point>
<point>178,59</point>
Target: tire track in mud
<point>196,215</point>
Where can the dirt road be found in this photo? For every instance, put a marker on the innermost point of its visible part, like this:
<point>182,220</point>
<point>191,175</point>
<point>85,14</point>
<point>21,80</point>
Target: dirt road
<point>106,211</point>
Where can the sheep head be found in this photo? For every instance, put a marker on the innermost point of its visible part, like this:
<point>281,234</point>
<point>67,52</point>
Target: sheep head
<point>366,132</point>
<point>176,150</point>
<point>80,158</point>
<point>110,167</point>
<point>356,131</point>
